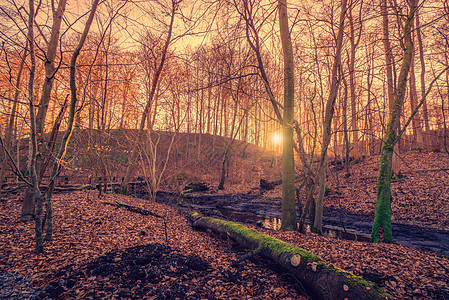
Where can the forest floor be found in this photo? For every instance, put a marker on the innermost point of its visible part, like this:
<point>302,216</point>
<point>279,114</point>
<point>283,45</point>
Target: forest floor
<point>105,251</point>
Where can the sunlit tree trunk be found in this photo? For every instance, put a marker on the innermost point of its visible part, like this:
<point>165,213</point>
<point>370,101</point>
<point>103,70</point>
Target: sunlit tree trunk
<point>50,67</point>
<point>382,218</point>
<point>254,42</point>
<point>71,119</point>
<point>288,162</point>
<point>50,71</point>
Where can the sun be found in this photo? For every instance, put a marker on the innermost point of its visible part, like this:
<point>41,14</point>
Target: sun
<point>276,138</point>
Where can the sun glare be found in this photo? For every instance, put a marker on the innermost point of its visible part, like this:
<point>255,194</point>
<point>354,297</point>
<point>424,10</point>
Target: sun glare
<point>276,138</point>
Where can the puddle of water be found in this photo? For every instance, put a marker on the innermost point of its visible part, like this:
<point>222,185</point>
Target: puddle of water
<point>275,223</point>
<point>329,231</point>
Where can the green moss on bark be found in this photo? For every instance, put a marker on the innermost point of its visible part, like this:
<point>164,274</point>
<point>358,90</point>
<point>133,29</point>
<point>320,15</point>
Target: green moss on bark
<point>325,280</point>
<point>275,245</point>
<point>382,218</point>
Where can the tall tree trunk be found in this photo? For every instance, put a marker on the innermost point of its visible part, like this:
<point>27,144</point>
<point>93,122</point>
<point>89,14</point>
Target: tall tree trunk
<point>330,105</point>
<point>254,43</point>
<point>34,181</point>
<point>68,133</point>
<point>423,82</point>
<point>382,218</point>
<point>352,84</point>
<point>390,80</point>
<point>416,122</point>
<point>288,162</point>
<point>49,65</point>
<point>345,125</point>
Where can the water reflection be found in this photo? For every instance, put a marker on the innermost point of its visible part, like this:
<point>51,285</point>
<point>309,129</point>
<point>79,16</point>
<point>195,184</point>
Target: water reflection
<point>329,231</point>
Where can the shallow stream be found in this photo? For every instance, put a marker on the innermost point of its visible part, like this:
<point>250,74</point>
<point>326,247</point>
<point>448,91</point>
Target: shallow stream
<point>251,209</point>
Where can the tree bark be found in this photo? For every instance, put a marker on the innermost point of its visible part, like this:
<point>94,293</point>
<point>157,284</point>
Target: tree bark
<point>330,105</point>
<point>416,122</point>
<point>390,80</point>
<point>49,68</point>
<point>50,71</point>
<point>423,82</point>
<point>288,161</point>
<point>252,37</point>
<point>322,279</point>
<point>352,83</point>
<point>34,182</point>
<point>345,125</point>
<point>382,218</point>
<point>68,133</point>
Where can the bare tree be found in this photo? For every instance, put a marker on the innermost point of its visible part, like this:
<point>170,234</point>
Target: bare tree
<point>330,104</point>
<point>382,218</point>
<point>152,92</point>
<point>390,80</point>
<point>50,72</point>
<point>34,181</point>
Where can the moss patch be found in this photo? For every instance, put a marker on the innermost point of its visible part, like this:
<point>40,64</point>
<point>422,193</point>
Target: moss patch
<point>277,246</point>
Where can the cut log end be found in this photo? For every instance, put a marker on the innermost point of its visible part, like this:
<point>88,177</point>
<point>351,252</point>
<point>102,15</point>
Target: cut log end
<point>295,260</point>
<point>324,280</point>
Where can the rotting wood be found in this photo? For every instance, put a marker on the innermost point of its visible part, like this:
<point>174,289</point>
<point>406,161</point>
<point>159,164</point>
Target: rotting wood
<point>322,279</point>
<point>14,187</point>
<point>269,185</point>
<point>133,209</point>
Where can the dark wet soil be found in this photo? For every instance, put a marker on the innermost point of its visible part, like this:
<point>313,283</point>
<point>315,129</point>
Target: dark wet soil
<point>140,272</point>
<point>156,271</point>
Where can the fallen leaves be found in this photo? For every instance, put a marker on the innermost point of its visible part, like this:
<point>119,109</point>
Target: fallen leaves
<point>401,271</point>
<point>86,229</point>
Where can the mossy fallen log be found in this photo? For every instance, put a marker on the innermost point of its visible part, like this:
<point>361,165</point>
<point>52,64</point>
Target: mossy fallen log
<point>323,280</point>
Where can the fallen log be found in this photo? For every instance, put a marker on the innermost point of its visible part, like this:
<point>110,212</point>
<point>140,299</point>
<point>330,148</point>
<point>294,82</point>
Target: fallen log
<point>323,280</point>
<point>133,209</point>
<point>269,185</point>
<point>14,187</point>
